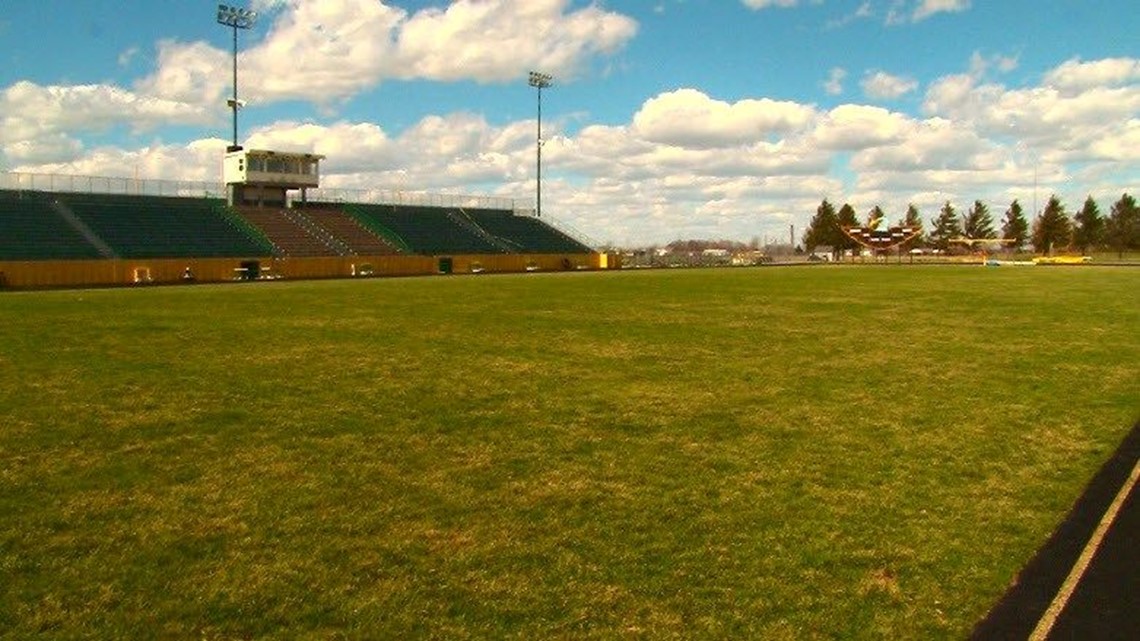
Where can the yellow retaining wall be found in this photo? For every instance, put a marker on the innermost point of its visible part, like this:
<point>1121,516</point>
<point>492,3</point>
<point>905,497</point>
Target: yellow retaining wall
<point>92,273</point>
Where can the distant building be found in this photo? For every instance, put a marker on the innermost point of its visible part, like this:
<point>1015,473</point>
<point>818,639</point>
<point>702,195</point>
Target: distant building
<point>822,253</point>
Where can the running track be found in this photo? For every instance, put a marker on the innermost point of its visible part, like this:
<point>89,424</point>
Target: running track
<point>1103,596</point>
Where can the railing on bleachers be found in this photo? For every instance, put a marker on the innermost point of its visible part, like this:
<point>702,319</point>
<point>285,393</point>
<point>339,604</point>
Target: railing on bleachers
<point>566,229</point>
<point>21,181</point>
<point>405,197</point>
<point>16,181</point>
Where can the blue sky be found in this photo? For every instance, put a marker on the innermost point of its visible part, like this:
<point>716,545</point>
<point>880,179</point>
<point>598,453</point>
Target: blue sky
<point>668,118</point>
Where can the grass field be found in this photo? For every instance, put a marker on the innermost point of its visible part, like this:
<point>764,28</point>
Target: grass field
<point>860,452</point>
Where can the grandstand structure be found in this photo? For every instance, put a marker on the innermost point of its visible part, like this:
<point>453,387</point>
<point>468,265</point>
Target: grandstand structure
<point>878,240</point>
<point>269,220</point>
<point>68,231</point>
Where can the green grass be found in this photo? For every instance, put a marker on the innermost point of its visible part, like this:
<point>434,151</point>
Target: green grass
<point>794,453</point>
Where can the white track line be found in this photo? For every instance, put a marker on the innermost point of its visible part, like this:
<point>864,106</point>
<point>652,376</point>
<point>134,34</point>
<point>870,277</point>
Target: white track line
<point>1045,625</point>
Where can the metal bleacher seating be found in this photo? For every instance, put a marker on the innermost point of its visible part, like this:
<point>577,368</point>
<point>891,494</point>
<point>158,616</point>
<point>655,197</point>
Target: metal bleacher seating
<point>31,229</point>
<point>73,225</point>
<point>427,230</point>
<point>529,235</point>
<point>162,226</point>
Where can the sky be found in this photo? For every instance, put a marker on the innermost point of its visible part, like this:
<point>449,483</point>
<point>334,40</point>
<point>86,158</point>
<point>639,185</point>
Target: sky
<point>666,119</point>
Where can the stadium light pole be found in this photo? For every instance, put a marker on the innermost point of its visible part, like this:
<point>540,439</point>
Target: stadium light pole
<point>539,81</point>
<point>235,18</point>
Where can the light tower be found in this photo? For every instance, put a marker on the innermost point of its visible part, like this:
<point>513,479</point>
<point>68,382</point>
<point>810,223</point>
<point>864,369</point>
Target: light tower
<point>539,81</point>
<point>236,19</point>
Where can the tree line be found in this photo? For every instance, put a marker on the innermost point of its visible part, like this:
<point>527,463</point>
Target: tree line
<point>1052,231</point>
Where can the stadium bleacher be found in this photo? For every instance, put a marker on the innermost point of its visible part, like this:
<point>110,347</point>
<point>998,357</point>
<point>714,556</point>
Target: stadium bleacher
<point>529,235</point>
<point>32,229</point>
<point>288,234</point>
<point>161,226</point>
<point>358,239</point>
<point>36,225</point>
<point>428,230</point>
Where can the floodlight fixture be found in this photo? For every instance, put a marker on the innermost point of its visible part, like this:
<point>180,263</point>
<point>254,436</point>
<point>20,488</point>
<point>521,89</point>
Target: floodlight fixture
<point>235,18</point>
<point>539,81</point>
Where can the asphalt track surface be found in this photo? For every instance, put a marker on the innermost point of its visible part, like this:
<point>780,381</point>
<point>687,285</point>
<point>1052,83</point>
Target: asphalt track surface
<point>1105,603</point>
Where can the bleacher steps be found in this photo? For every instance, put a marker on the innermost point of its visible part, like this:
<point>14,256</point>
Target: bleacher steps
<point>463,219</point>
<point>65,213</point>
<point>320,233</point>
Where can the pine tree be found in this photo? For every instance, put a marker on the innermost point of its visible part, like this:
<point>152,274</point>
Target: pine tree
<point>1088,230</point>
<point>978,222</point>
<point>1015,226</point>
<point>847,218</point>
<point>913,219</point>
<point>1052,230</point>
<point>823,228</point>
<point>946,227</point>
<point>1123,225</point>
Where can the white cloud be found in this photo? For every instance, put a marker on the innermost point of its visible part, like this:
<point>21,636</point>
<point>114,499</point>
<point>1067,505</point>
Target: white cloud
<point>127,56</point>
<point>263,6</point>
<point>449,136</point>
<point>320,51</point>
<point>439,152</point>
<point>1075,76</point>
<point>981,64</point>
<point>44,149</point>
<point>898,12</point>
<point>1071,124</point>
<point>834,83</point>
<point>328,50</point>
<point>854,127</point>
<point>41,126</point>
<point>933,144</point>
<point>489,40</point>
<point>949,94</point>
<point>764,4</point>
<point>689,118</point>
<point>1122,145</point>
<point>187,73</point>
<point>32,111</point>
<point>351,147</point>
<point>895,13</point>
<point>881,85</point>
<point>1006,64</point>
<point>197,161</point>
<point>927,8</point>
<point>862,12</point>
